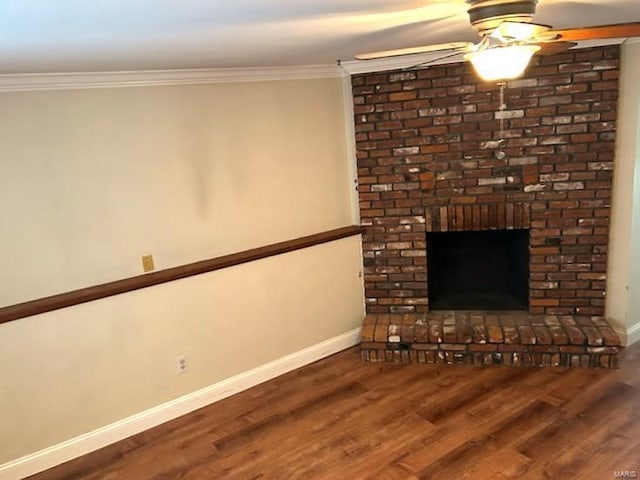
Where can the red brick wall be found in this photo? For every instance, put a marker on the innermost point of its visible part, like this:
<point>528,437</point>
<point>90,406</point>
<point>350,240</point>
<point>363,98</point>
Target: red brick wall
<point>426,161</point>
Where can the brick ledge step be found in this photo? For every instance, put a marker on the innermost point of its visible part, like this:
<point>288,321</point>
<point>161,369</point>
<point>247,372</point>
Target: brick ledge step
<point>490,338</point>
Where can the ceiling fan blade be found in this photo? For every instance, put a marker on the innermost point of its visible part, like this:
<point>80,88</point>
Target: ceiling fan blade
<point>435,60</point>
<point>415,50</point>
<point>554,47</point>
<point>598,32</point>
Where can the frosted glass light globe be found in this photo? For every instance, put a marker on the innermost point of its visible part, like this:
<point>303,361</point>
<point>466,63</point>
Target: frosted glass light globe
<point>502,63</point>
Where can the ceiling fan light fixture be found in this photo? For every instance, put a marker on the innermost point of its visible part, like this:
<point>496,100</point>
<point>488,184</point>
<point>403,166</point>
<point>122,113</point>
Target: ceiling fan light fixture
<point>502,62</point>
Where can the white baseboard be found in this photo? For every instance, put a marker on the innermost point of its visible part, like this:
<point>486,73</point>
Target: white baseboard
<point>83,444</point>
<point>633,334</point>
<point>628,335</point>
<point>622,334</point>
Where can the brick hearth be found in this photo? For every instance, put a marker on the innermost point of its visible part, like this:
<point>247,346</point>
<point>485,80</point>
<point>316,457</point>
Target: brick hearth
<point>426,141</point>
<point>489,338</point>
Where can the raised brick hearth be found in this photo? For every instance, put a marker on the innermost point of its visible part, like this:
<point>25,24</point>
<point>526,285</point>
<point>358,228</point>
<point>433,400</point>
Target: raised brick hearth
<point>489,338</point>
<point>426,145</point>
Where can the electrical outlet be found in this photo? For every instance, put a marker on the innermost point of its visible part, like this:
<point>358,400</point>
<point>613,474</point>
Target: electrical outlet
<point>181,362</point>
<point>147,263</point>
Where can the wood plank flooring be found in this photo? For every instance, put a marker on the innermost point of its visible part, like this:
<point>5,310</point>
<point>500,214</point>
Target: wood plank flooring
<point>342,418</point>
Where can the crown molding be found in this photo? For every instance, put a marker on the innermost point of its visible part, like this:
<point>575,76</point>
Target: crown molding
<point>353,67</point>
<point>601,43</point>
<point>144,78</point>
<point>23,82</point>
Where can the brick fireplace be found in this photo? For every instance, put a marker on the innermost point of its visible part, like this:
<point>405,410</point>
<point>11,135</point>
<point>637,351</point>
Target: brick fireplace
<point>427,146</point>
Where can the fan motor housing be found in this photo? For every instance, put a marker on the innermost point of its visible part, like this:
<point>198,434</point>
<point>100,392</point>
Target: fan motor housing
<point>486,15</point>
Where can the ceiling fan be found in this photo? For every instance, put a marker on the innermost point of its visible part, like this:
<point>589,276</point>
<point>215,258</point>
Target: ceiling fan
<point>509,38</point>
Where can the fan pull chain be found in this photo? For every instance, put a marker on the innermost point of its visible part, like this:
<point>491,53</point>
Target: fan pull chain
<point>500,155</point>
<point>502,109</point>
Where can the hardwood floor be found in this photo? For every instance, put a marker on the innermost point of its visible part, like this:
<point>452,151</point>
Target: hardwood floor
<point>342,418</point>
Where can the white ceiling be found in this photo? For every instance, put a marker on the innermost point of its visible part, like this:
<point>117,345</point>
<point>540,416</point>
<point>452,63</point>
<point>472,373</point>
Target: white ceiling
<point>108,35</point>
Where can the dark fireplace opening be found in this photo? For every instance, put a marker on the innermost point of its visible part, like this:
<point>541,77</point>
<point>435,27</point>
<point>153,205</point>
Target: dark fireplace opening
<point>487,270</point>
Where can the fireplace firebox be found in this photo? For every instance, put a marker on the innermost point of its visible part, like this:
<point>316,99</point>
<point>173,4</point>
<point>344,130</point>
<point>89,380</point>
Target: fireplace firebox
<point>478,270</point>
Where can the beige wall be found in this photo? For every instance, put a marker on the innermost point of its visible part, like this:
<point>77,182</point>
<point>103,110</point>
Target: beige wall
<point>90,180</point>
<point>633,314</point>
<point>623,289</point>
<point>74,370</point>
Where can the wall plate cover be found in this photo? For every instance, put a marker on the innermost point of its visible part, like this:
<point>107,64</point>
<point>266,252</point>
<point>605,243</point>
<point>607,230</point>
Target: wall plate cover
<point>147,263</point>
